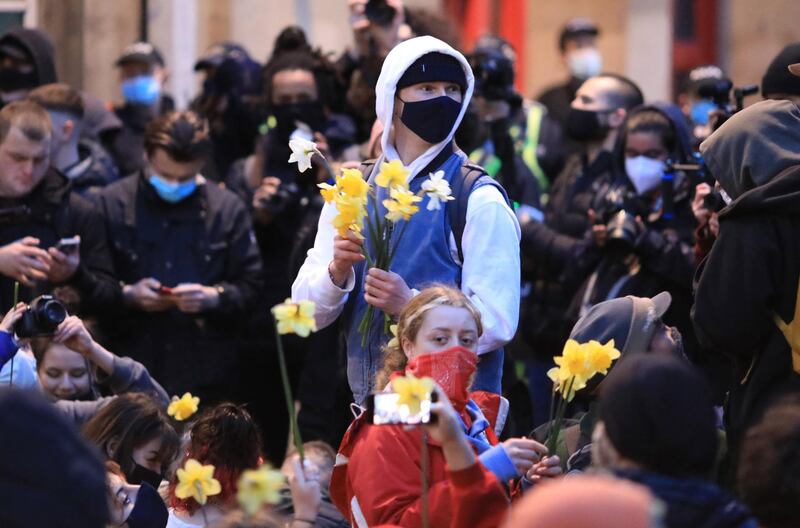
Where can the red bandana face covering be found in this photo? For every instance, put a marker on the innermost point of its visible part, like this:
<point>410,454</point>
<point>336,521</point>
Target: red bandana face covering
<point>451,369</point>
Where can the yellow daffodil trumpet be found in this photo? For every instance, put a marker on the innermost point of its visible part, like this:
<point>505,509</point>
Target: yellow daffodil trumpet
<point>197,481</point>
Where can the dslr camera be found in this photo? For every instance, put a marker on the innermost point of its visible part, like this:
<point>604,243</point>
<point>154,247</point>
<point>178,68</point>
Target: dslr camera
<point>494,76</point>
<point>41,318</point>
<point>728,98</point>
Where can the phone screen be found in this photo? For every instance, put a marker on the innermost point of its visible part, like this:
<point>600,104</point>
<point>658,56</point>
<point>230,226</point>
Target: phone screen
<point>386,411</point>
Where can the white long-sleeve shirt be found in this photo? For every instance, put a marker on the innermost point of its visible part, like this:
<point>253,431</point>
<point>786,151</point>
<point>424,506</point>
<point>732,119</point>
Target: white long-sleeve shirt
<point>490,274</point>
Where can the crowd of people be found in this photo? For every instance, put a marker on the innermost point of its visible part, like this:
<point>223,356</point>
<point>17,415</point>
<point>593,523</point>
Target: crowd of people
<point>143,247</point>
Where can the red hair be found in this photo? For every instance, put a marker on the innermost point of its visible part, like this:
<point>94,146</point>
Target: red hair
<point>226,437</point>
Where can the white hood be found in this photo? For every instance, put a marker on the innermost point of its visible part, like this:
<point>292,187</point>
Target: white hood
<point>397,62</point>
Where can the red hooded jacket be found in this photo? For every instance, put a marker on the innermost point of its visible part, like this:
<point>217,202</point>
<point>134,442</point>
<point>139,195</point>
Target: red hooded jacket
<point>377,479</point>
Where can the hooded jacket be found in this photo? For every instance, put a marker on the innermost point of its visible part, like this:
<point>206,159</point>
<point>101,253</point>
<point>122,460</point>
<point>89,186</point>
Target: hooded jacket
<point>40,47</point>
<point>376,479</point>
<point>395,65</point>
<point>748,286</point>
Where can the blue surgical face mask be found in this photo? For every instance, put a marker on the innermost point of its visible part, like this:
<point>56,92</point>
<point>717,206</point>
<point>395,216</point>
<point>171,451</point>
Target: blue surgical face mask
<point>142,89</point>
<point>699,111</point>
<point>172,192</point>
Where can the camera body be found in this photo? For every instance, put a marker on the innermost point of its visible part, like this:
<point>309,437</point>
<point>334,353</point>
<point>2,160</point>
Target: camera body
<point>287,195</point>
<point>494,76</point>
<point>379,12</point>
<point>623,230</point>
<point>42,317</point>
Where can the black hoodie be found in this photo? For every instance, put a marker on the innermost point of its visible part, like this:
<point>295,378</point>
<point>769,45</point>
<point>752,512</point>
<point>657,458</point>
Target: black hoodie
<point>40,47</point>
<point>748,286</point>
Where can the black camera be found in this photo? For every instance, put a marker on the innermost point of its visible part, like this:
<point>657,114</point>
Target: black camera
<point>42,317</point>
<point>286,196</point>
<point>494,76</point>
<point>379,12</point>
<point>726,97</point>
<point>623,230</point>
<point>713,201</point>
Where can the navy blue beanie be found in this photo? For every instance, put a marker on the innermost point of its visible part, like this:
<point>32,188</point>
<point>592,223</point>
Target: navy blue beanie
<point>434,67</point>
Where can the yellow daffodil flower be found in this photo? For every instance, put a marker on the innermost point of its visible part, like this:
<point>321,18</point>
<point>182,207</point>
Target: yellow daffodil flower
<point>600,356</point>
<point>393,174</point>
<point>197,481</point>
<point>184,407</point>
<point>574,361</point>
<point>350,213</point>
<point>328,191</point>
<point>394,342</point>
<point>302,151</point>
<point>401,205</point>
<point>352,184</point>
<point>259,486</point>
<point>412,391</point>
<point>295,318</point>
<point>438,190</point>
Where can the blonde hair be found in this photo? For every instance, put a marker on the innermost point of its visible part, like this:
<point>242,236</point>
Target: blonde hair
<point>410,321</point>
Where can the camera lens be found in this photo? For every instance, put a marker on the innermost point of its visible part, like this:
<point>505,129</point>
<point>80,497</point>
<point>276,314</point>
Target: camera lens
<point>54,312</point>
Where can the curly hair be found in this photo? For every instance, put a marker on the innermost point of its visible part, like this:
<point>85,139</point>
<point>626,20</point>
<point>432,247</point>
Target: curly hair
<point>769,465</point>
<point>410,321</point>
<point>226,437</point>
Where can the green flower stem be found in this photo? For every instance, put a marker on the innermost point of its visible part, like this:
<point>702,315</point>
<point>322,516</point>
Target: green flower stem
<point>424,483</point>
<point>555,426</point>
<point>287,392</point>
<point>327,166</point>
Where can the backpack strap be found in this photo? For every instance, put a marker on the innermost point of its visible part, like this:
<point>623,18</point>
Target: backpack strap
<point>366,167</point>
<point>457,209</point>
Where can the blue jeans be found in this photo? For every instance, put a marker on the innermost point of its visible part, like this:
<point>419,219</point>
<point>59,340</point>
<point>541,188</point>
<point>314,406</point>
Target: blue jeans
<point>540,389</point>
<point>490,372</point>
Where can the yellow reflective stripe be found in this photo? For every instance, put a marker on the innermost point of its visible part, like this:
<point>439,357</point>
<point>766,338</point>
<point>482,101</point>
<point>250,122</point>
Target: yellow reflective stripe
<point>533,127</point>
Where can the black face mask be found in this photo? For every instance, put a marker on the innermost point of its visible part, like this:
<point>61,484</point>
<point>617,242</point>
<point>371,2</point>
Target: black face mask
<point>311,113</point>
<point>141,474</point>
<point>584,125</point>
<point>149,510</point>
<point>432,119</point>
<point>12,80</point>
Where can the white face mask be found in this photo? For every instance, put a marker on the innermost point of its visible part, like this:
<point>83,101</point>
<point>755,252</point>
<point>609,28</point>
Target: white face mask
<point>644,173</point>
<point>585,62</point>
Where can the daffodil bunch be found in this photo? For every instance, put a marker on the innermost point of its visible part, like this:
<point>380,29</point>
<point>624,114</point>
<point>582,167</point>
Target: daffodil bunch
<point>257,487</point>
<point>577,364</point>
<point>350,193</point>
<point>292,318</point>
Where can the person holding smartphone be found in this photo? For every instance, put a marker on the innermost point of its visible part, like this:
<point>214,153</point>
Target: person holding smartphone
<point>184,251</point>
<point>38,210</point>
<point>437,336</point>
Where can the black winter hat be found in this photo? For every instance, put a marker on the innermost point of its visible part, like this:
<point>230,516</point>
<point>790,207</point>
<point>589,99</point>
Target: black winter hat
<point>657,411</point>
<point>434,67</point>
<point>49,476</point>
<point>778,79</point>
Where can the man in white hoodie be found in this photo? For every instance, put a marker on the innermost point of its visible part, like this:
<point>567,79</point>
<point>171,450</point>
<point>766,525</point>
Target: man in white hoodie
<point>421,96</point>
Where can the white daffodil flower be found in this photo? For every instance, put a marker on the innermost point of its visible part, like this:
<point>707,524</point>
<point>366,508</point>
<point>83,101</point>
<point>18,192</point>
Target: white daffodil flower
<point>302,151</point>
<point>438,190</point>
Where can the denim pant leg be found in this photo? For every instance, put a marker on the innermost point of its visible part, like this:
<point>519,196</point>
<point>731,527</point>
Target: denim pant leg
<point>490,372</point>
<point>540,388</point>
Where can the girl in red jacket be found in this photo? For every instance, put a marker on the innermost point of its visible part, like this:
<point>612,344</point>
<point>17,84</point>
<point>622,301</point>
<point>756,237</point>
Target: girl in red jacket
<point>377,479</point>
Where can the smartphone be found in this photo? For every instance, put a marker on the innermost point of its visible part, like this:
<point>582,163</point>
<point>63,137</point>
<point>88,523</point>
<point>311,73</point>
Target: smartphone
<point>68,246</point>
<point>164,290</point>
<point>383,409</point>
